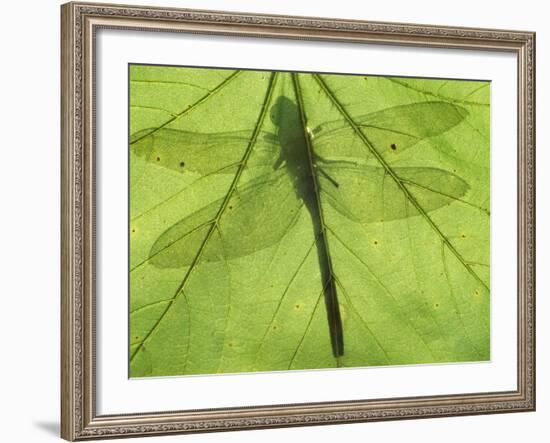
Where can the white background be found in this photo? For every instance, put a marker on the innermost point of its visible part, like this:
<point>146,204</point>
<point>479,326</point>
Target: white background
<point>29,234</point>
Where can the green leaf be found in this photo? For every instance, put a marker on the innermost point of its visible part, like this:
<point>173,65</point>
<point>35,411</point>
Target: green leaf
<point>296,221</point>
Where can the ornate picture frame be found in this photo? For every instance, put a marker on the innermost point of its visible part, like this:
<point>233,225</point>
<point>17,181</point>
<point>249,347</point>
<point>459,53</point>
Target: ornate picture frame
<point>80,23</point>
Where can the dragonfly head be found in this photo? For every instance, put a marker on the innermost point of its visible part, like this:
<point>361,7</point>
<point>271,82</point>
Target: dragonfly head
<point>283,112</point>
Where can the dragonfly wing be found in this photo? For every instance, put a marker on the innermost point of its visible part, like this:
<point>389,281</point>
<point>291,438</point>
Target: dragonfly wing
<point>256,215</point>
<point>201,152</point>
<point>391,130</point>
<point>370,194</point>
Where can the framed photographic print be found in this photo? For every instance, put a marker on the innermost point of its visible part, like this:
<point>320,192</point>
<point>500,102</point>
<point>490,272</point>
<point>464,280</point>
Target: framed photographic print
<point>283,221</point>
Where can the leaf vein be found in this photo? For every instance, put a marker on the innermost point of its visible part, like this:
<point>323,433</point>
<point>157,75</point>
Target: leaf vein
<point>232,188</point>
<point>397,180</point>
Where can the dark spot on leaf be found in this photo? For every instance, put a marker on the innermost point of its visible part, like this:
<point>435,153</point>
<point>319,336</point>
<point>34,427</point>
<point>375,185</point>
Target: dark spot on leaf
<point>393,146</point>
<point>437,305</point>
<point>463,236</point>
<point>274,327</point>
<point>158,159</point>
<point>182,164</point>
<point>133,230</point>
<point>375,242</point>
<point>297,306</point>
<point>230,206</point>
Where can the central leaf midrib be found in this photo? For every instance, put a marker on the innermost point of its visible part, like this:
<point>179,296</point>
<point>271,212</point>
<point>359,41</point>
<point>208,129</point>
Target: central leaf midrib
<point>333,309</point>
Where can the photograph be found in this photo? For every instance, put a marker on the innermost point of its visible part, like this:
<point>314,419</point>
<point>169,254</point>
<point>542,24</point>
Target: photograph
<point>284,220</point>
<point>275,221</point>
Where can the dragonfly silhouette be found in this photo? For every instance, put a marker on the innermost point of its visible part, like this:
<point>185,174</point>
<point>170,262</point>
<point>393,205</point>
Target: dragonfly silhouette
<point>305,168</point>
